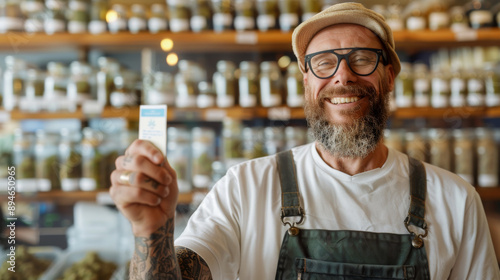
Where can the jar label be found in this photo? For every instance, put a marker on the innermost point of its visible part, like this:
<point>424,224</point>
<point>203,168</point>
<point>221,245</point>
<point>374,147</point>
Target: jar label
<point>179,24</point>
<point>136,24</point>
<point>242,23</point>
<point>116,25</point>
<point>198,23</point>
<point>97,27</point>
<point>266,22</point>
<point>416,23</point>
<point>157,24</point>
<point>438,20</point>
<point>77,27</point>
<point>288,21</point>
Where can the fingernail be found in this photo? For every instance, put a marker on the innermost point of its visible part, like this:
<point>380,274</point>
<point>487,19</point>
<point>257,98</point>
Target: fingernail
<point>157,158</point>
<point>159,201</point>
<point>166,192</point>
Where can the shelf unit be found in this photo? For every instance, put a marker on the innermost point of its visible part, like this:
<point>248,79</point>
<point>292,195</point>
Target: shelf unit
<point>208,41</point>
<point>232,41</point>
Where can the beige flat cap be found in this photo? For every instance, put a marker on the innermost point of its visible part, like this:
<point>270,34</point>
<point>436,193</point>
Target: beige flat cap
<point>354,13</point>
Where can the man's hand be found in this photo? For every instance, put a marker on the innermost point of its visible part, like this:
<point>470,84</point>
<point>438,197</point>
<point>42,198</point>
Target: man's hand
<point>144,188</point>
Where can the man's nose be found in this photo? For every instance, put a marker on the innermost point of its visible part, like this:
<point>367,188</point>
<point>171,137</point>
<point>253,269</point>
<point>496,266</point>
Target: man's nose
<point>344,75</point>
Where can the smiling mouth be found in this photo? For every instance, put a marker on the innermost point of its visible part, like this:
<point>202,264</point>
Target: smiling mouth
<point>344,100</point>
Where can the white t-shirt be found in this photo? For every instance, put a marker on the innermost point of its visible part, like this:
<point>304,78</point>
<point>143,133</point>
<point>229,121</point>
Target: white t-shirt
<point>237,229</point>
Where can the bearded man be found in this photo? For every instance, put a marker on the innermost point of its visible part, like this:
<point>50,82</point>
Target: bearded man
<point>343,207</point>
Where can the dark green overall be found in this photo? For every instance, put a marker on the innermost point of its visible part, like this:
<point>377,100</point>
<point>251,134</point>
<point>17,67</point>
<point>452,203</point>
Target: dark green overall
<point>345,254</point>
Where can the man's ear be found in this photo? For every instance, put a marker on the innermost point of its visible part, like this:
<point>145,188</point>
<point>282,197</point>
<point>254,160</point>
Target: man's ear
<point>304,78</point>
<point>389,72</point>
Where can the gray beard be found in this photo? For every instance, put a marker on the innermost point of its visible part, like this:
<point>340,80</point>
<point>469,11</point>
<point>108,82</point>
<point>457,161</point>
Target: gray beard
<point>356,139</point>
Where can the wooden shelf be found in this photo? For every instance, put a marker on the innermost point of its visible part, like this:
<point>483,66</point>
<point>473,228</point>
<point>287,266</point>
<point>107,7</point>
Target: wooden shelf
<point>449,112</point>
<point>209,41</point>
<point>69,198</point>
<point>489,194</point>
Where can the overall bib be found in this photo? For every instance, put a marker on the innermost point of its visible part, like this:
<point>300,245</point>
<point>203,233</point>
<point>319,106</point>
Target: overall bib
<point>346,254</point>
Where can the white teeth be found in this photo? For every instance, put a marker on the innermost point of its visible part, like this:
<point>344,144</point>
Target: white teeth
<point>343,100</point>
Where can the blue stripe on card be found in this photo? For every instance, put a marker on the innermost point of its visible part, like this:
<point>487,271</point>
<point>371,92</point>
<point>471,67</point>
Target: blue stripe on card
<point>153,112</point>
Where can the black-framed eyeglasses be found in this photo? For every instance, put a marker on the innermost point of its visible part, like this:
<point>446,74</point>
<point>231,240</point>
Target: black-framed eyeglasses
<point>361,61</point>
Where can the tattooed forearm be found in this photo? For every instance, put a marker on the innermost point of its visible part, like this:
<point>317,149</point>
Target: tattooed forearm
<point>192,265</point>
<point>154,257</point>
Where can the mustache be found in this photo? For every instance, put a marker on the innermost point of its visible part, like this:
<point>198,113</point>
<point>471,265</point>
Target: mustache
<point>358,90</point>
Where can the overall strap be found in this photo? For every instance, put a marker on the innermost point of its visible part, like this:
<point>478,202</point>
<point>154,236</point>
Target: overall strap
<point>418,188</point>
<point>290,203</point>
<point>416,213</point>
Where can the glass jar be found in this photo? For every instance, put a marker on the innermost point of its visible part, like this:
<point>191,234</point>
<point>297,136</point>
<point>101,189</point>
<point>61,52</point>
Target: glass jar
<point>159,88</point>
<point>294,86</point>
<point>56,85</point>
<point>207,96</point>
<point>393,138</point>
<point>124,92</point>
<point>421,85</point>
<point>138,19</point>
<point>439,17</point>
<point>11,16</point>
<point>309,8</point>
<point>463,151</point>
<point>178,154</point>
<point>232,142</point>
<point>458,88</point>
<point>34,85</point>
<point>78,16</point>
<point>222,17</point>
<point>270,84</point>
<point>203,147</point>
<point>225,84</point>
<point>289,11</point>
<point>92,160</point>
<point>244,15</point>
<point>110,151</point>
<point>487,157</point>
<point>80,82</point>
<point>178,15</point>
<point>479,13</point>
<point>274,140</point>
<point>248,84</point>
<point>439,144</point>
<point>33,11</point>
<point>295,136</point>
<point>266,14</point>
<point>440,89</point>
<point>70,160</point>
<point>55,20</point>
<point>394,17</point>
<point>476,95</point>
<point>186,84</point>
<point>416,145</point>
<point>13,82</point>
<point>416,17</point>
<point>24,161</point>
<point>492,84</point>
<point>108,69</point>
<point>201,15</point>
<point>158,20</point>
<point>6,149</point>
<point>253,142</point>
<point>458,19</point>
<point>404,86</point>
<point>46,162</point>
<point>117,21</point>
<point>98,11</point>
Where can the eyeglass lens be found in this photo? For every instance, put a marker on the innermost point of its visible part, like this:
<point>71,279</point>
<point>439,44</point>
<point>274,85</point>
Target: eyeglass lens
<point>361,62</point>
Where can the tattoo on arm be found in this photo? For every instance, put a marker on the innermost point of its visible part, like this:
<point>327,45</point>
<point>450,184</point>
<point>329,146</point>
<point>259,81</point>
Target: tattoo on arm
<point>192,265</point>
<point>154,257</point>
